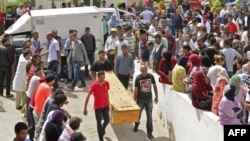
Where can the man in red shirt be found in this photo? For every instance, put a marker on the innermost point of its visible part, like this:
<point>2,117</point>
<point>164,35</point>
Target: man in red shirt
<point>1,22</point>
<point>232,26</point>
<point>99,89</point>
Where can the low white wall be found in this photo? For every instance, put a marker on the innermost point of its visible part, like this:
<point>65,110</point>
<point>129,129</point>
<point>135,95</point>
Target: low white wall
<point>183,122</point>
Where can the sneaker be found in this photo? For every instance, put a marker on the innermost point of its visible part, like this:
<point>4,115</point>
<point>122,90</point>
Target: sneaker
<point>150,137</point>
<point>70,87</point>
<point>81,86</point>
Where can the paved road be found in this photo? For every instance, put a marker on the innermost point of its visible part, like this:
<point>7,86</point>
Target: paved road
<point>9,116</point>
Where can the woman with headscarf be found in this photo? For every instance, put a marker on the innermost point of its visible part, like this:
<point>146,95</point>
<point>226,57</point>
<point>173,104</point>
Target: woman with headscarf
<point>216,69</point>
<point>240,94</point>
<point>221,81</point>
<point>113,22</point>
<point>53,129</point>
<point>194,65</point>
<point>201,99</point>
<point>228,108</point>
<point>179,74</point>
<point>166,65</point>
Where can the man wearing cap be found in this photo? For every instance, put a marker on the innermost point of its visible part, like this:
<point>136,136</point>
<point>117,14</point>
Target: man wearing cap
<point>110,45</point>
<point>119,43</point>
<point>73,126</point>
<point>99,89</point>
<point>42,93</point>
<point>124,66</point>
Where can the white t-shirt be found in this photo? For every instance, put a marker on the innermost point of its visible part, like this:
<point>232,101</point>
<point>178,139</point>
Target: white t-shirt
<point>244,38</point>
<point>152,29</point>
<point>119,44</point>
<point>19,11</point>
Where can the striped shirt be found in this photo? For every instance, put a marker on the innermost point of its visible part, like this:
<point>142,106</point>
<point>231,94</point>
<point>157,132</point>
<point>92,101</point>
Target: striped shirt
<point>131,41</point>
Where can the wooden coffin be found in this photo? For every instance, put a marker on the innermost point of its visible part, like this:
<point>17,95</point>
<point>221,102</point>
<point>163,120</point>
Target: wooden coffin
<point>123,107</point>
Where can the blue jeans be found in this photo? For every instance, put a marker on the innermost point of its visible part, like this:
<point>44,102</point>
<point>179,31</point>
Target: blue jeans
<point>70,70</point>
<point>77,73</point>
<point>91,57</point>
<point>148,105</point>
<point>53,66</point>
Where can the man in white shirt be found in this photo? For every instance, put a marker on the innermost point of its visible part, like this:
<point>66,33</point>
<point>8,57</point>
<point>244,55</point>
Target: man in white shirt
<point>244,38</point>
<point>119,43</point>
<point>188,41</point>
<point>20,10</point>
<point>223,11</point>
<point>152,28</point>
<point>54,53</point>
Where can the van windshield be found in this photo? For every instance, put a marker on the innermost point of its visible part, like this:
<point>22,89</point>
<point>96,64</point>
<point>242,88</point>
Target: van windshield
<point>108,14</point>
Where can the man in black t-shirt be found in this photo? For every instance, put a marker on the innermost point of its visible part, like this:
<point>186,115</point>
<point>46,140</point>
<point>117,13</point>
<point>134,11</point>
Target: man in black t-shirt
<point>143,97</point>
<point>100,64</point>
<point>9,17</point>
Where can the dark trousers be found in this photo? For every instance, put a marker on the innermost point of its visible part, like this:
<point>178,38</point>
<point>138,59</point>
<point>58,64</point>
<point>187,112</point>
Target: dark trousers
<point>124,79</point>
<point>91,57</point>
<point>148,105</point>
<point>5,74</point>
<point>53,66</point>
<point>30,119</point>
<point>105,37</point>
<point>102,113</point>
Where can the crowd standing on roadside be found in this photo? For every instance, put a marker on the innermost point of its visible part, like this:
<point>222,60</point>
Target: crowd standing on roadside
<point>199,51</point>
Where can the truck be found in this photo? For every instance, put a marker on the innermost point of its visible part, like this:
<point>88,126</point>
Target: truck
<point>61,19</point>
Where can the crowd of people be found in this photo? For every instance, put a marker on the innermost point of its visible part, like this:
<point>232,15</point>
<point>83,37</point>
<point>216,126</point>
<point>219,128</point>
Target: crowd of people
<point>200,52</point>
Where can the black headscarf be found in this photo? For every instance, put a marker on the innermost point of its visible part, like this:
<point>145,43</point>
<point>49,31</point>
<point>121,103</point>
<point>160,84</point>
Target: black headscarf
<point>210,52</point>
<point>231,93</point>
<point>206,61</point>
<point>167,62</point>
<point>183,61</point>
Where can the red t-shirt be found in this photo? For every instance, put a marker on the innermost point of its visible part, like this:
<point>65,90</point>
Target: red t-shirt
<point>1,18</point>
<point>100,94</point>
<point>30,74</point>
<point>233,28</point>
<point>42,93</point>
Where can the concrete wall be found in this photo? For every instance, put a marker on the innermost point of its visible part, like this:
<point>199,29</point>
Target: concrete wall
<point>182,121</point>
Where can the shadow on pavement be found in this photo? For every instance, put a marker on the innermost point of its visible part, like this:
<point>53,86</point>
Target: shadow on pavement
<point>125,131</point>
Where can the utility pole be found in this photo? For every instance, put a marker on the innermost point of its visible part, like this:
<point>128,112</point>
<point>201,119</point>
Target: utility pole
<point>91,2</point>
